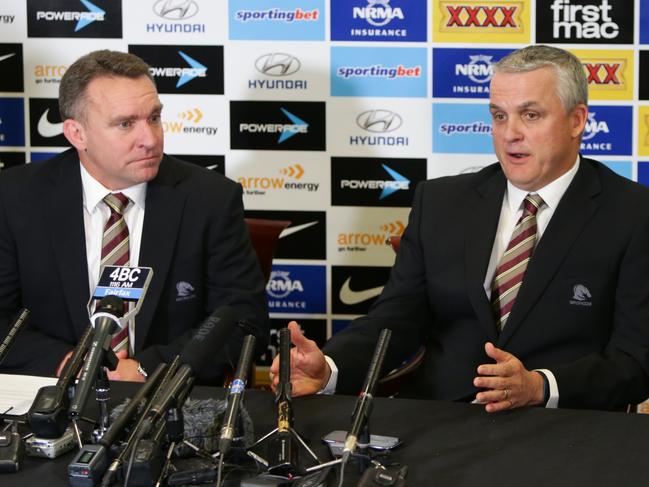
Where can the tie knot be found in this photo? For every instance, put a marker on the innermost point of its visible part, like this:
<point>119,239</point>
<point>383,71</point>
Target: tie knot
<point>533,203</point>
<point>117,202</point>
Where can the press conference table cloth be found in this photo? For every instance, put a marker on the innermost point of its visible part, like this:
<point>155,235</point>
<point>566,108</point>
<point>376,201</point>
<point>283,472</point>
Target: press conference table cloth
<point>449,444</point>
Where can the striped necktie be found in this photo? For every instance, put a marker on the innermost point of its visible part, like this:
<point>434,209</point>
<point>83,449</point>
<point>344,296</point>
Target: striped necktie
<point>115,250</point>
<point>513,264</point>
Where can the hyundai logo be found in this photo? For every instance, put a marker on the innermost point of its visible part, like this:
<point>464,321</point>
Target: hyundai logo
<point>277,64</point>
<point>379,121</point>
<point>175,9</point>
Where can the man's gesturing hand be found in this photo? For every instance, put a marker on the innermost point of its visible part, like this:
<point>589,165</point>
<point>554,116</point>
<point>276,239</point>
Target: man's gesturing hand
<point>309,369</point>
<point>507,383</point>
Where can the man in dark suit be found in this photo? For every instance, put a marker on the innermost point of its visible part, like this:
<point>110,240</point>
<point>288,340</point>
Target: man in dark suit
<point>568,327</point>
<point>184,222</point>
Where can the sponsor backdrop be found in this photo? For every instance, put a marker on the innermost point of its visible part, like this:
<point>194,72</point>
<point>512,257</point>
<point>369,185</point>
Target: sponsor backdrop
<point>327,112</point>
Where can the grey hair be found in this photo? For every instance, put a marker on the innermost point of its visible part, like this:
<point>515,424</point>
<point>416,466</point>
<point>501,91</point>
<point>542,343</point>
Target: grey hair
<point>572,84</point>
<point>103,63</point>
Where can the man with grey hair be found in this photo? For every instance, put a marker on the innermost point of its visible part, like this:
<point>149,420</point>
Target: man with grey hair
<point>527,282</point>
<point>116,199</point>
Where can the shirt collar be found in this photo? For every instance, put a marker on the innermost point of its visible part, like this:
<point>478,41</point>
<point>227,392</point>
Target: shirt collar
<point>94,192</point>
<point>551,193</point>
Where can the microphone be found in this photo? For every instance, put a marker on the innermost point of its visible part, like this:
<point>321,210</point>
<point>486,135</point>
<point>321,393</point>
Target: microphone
<point>235,395</point>
<point>282,451</point>
<point>209,338</point>
<point>106,320</point>
<point>364,402</point>
<point>14,329</point>
<point>48,414</point>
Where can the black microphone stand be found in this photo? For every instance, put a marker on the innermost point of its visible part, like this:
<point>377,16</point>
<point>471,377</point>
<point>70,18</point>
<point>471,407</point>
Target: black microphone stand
<point>283,453</point>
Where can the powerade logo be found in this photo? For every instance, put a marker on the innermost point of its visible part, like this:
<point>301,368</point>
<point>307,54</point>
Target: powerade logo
<point>277,20</point>
<point>464,73</point>
<point>277,125</point>
<point>74,18</point>
<point>365,181</point>
<point>362,71</point>
<point>184,69</point>
<point>584,21</point>
<point>12,121</point>
<point>378,20</point>
<point>297,289</point>
<point>608,131</point>
<point>461,128</point>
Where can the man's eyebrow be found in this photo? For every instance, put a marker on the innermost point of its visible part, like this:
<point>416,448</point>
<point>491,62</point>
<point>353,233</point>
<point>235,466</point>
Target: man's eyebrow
<point>522,106</point>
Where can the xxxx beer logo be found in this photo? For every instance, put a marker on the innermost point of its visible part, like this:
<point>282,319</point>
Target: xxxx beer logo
<point>643,130</point>
<point>609,73</point>
<point>470,21</point>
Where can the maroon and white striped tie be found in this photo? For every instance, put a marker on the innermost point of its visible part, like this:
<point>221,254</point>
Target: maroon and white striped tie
<point>513,264</point>
<point>115,250</point>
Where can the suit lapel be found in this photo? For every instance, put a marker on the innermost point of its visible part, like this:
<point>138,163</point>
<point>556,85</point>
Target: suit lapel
<point>162,217</point>
<point>62,203</point>
<point>481,223</point>
<point>574,210</point>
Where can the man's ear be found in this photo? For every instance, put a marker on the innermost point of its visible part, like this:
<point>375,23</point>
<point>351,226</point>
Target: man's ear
<point>579,118</point>
<point>75,133</point>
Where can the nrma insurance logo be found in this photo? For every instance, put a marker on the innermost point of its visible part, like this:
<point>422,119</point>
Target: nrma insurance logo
<point>297,289</point>
<point>276,20</point>
<point>74,18</point>
<point>609,131</point>
<point>464,73</point>
<point>378,20</point>
<point>387,72</point>
<point>461,128</point>
<point>12,122</point>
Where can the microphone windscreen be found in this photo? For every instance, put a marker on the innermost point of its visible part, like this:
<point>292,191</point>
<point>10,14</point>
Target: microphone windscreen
<point>111,304</point>
<point>210,336</point>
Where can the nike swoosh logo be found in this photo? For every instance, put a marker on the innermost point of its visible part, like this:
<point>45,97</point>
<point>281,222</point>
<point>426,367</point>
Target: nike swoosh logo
<point>47,128</point>
<point>349,297</point>
<point>297,228</point>
<point>7,56</point>
<point>213,166</point>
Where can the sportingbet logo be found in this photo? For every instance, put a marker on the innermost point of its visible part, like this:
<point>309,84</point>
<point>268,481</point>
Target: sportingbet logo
<point>479,69</point>
<point>379,71</point>
<point>297,15</point>
<point>575,21</point>
<point>477,127</point>
<point>378,13</point>
<point>482,16</point>
<point>83,18</point>
<point>184,75</point>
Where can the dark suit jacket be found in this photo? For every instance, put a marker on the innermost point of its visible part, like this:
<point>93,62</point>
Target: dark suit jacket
<point>597,346</point>
<point>193,232</point>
